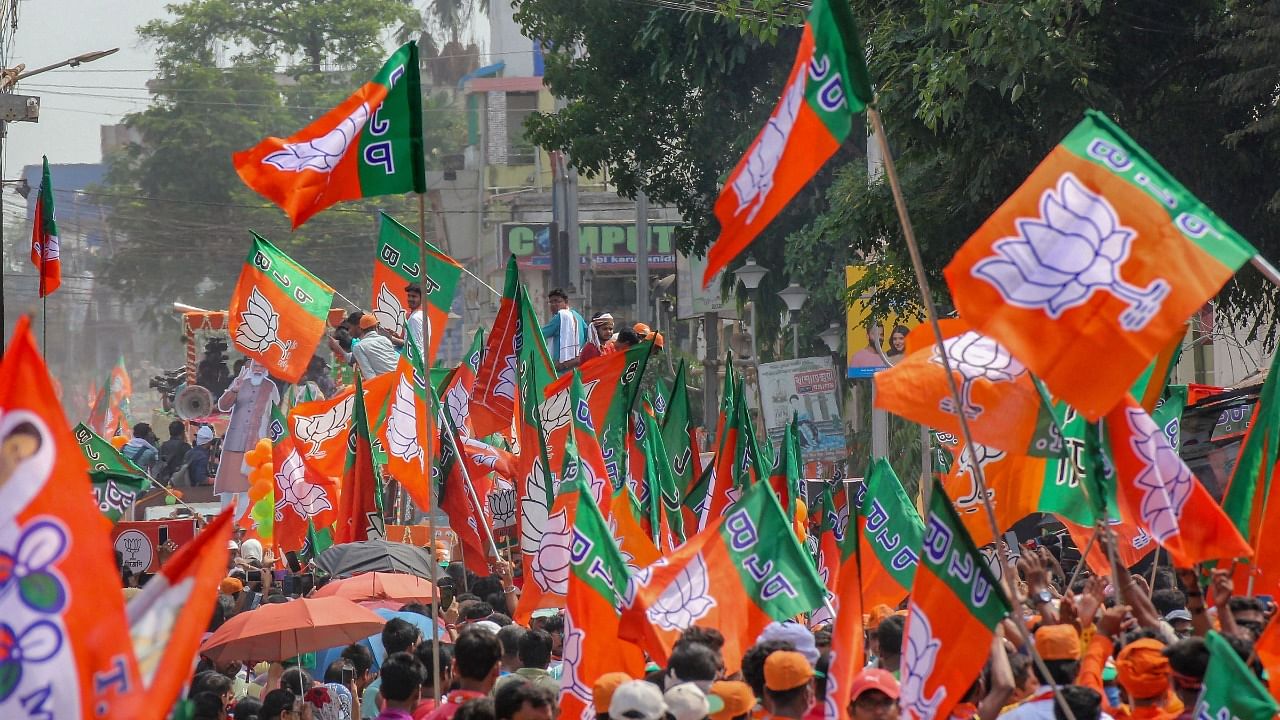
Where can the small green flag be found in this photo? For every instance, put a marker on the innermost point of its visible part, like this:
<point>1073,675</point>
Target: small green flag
<point>1231,690</point>
<point>117,482</point>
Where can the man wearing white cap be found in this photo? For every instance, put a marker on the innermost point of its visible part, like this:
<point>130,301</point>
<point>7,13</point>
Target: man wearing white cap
<point>600,339</point>
<point>637,700</point>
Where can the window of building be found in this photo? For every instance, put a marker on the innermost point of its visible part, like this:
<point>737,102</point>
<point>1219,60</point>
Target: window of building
<point>520,105</point>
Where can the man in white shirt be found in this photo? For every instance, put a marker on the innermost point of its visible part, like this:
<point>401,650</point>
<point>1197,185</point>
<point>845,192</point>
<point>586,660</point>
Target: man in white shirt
<point>374,354</point>
<point>413,325</point>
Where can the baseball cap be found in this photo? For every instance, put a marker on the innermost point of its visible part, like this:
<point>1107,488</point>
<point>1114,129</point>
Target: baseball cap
<point>686,701</point>
<point>1142,669</point>
<point>605,686</point>
<point>737,698</point>
<point>873,679</point>
<point>1178,614</point>
<point>800,637</point>
<point>367,321</point>
<point>1058,642</point>
<point>637,700</point>
<point>204,435</point>
<point>786,670</point>
<point>230,586</point>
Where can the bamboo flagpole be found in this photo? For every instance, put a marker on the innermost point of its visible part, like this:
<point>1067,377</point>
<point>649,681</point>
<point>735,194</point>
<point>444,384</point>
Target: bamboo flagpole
<point>931,315</point>
<point>424,437</point>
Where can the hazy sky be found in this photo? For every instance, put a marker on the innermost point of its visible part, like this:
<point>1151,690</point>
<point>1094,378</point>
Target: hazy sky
<point>75,102</point>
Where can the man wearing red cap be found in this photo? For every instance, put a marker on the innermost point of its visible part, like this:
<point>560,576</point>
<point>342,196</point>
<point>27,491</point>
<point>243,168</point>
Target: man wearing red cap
<point>873,695</point>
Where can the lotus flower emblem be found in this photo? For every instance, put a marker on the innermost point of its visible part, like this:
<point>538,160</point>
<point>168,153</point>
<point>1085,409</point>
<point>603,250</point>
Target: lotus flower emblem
<point>753,184</point>
<point>569,680</point>
<point>458,402</point>
<point>550,564</point>
<point>975,357</point>
<point>920,654</point>
<point>1074,249</point>
<point>535,505</point>
<point>1165,480</point>
<point>556,412</point>
<point>506,385</point>
<point>686,600</point>
<point>388,311</point>
<point>303,498</point>
<point>971,459</point>
<point>402,424</point>
<point>259,327</point>
<point>315,430</point>
<point>839,519</point>
<point>323,153</point>
<point>502,504</point>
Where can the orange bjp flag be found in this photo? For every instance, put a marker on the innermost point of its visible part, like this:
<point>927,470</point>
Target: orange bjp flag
<point>169,617</point>
<point>1157,491</point>
<point>370,144</point>
<point>956,604</point>
<point>319,429</point>
<point>65,649</point>
<point>278,311</point>
<point>998,396</point>
<point>1093,265</point>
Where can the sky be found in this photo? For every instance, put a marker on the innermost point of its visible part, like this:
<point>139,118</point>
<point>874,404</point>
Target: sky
<point>76,101</point>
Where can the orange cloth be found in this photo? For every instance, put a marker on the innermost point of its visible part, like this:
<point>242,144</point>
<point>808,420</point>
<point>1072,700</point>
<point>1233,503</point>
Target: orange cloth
<point>1090,675</point>
<point>1058,642</point>
<point>1142,669</point>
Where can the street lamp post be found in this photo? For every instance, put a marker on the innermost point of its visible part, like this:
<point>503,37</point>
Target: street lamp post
<point>8,79</point>
<point>831,337</point>
<point>794,296</point>
<point>750,275</point>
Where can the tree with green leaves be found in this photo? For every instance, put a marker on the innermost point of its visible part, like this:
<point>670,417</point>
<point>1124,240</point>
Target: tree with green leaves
<point>179,214</point>
<point>973,94</point>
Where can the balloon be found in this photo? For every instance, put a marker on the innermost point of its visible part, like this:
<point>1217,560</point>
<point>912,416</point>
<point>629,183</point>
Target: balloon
<point>802,511</point>
<point>118,441</point>
<point>170,500</point>
<point>264,444</point>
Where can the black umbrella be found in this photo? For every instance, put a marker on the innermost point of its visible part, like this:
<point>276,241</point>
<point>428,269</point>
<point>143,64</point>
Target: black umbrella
<point>349,559</point>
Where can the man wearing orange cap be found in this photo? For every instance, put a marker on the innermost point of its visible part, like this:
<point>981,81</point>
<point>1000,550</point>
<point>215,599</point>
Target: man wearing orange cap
<point>1059,647</point>
<point>788,685</point>
<point>603,689</point>
<point>737,697</point>
<point>1143,673</point>
<point>873,695</point>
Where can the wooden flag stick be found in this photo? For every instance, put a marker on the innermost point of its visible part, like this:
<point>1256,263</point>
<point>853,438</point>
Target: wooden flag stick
<point>931,315</point>
<point>424,438</point>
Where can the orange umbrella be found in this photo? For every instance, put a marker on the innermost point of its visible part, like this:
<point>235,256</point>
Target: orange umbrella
<point>282,630</point>
<point>395,587</point>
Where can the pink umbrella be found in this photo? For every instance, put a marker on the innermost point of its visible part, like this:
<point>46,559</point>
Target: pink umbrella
<point>282,630</point>
<point>391,587</point>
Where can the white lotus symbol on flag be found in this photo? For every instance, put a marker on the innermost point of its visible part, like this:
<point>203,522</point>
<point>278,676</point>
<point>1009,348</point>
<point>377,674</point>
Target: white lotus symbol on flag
<point>975,357</point>
<point>388,311</point>
<point>839,522</point>
<point>458,403</point>
<point>556,412</point>
<point>918,658</point>
<point>534,508</point>
<point>753,184</point>
<point>506,385</point>
<point>1165,480</point>
<point>305,499</point>
<point>323,153</point>
<point>316,429</point>
<point>402,424</point>
<point>971,458</point>
<point>550,564</point>
<point>686,600</point>
<point>1059,260</point>
<point>259,327</point>
<point>502,504</point>
<point>569,680</point>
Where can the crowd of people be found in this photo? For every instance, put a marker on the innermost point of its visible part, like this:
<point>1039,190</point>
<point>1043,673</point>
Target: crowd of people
<point>1113,648</point>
